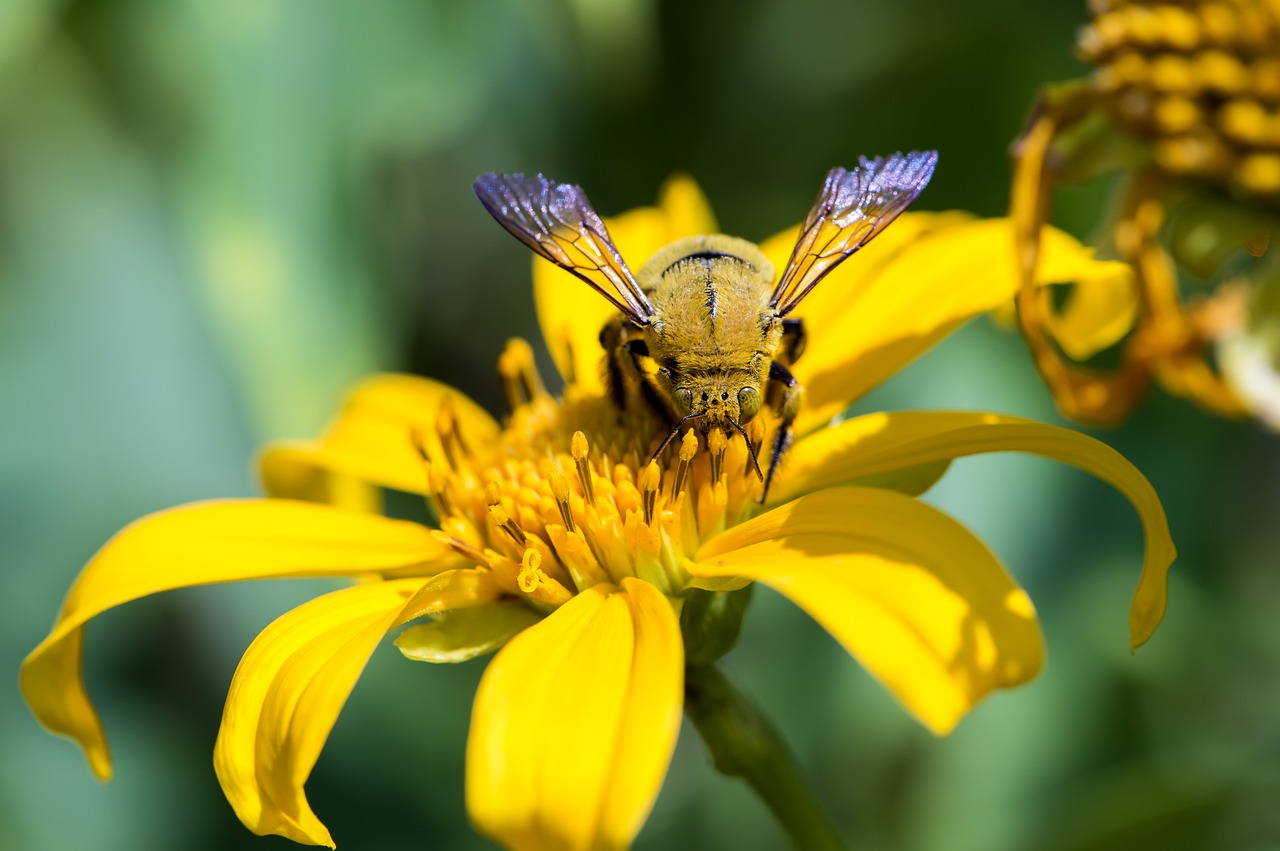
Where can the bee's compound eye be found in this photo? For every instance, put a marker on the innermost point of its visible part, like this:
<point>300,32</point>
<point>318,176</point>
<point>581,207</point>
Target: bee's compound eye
<point>748,403</point>
<point>684,401</point>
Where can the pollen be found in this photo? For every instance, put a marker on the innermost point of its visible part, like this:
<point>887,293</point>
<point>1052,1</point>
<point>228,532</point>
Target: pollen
<point>573,493</point>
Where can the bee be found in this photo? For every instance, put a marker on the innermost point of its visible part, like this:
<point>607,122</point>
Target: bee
<point>703,336</point>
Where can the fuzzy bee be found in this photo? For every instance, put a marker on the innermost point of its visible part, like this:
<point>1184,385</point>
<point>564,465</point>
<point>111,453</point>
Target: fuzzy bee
<point>703,335</point>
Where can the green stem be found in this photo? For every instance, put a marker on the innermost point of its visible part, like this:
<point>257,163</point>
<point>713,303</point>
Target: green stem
<point>744,744</point>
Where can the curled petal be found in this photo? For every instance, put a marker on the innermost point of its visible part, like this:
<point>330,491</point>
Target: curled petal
<point>1100,309</point>
<point>881,443</point>
<point>373,440</point>
<point>571,315</point>
<point>575,722</point>
<point>197,545</point>
<point>908,591</point>
<point>291,685</point>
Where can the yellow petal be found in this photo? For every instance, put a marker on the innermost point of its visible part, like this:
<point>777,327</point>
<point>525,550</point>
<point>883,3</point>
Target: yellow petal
<point>910,593</point>
<point>874,318</point>
<point>298,470</point>
<point>275,721</point>
<point>197,545</point>
<point>463,634</point>
<point>372,438</point>
<point>291,685</point>
<point>880,443</point>
<point>571,314</point>
<point>1101,306</point>
<point>850,279</point>
<point>575,722</point>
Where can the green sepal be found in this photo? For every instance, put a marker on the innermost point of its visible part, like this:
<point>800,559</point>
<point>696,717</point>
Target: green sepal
<point>461,634</point>
<point>710,622</point>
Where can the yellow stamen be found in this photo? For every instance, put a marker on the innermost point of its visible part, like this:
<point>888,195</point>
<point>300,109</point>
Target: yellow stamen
<point>538,585</point>
<point>560,489</point>
<point>650,484</point>
<point>520,379</point>
<point>459,526</point>
<point>450,436</point>
<point>437,479</point>
<point>643,539</point>
<point>503,519</point>
<point>531,575</point>
<point>460,547</point>
<point>717,443</point>
<point>578,448</point>
<point>688,449</point>
<point>583,566</point>
<point>419,444</point>
<point>712,502</point>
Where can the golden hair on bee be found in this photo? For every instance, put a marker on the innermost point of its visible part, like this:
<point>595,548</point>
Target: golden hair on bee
<point>703,336</point>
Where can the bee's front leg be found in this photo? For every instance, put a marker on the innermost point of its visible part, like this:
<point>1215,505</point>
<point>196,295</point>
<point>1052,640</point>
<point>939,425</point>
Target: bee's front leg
<point>787,406</point>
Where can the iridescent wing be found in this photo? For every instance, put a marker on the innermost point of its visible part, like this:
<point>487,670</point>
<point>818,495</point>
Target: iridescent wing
<point>557,221</point>
<point>851,209</point>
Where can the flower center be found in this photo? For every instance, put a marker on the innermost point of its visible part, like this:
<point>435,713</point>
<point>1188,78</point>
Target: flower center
<point>569,496</point>
<point>1200,79</point>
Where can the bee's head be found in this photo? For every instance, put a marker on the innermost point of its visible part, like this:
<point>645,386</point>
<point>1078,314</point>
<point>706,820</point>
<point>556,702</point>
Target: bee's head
<point>715,401</point>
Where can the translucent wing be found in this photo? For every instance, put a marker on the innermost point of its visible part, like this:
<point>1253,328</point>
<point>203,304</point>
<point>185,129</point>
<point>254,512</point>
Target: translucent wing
<point>557,221</point>
<point>851,209</point>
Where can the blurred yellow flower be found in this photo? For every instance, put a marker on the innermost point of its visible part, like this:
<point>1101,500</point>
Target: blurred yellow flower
<point>561,546</point>
<point>1184,105</point>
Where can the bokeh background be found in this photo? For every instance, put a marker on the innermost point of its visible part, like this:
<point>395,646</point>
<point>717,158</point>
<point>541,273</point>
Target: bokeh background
<point>215,215</point>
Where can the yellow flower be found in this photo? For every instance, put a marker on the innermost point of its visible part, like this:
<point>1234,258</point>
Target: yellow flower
<point>1184,105</point>
<point>561,544</point>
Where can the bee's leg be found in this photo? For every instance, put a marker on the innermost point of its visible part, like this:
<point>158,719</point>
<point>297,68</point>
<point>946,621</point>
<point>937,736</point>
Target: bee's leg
<point>788,406</point>
<point>794,339</point>
<point>611,342</point>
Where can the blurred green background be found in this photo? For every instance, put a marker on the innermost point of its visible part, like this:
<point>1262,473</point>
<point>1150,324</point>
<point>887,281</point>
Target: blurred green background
<point>215,215</point>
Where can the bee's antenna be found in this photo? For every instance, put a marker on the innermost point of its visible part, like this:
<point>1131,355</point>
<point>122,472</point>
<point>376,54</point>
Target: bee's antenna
<point>755,462</point>
<point>674,432</point>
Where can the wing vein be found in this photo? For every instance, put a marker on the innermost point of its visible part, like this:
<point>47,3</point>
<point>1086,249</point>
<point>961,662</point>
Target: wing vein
<point>852,207</point>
